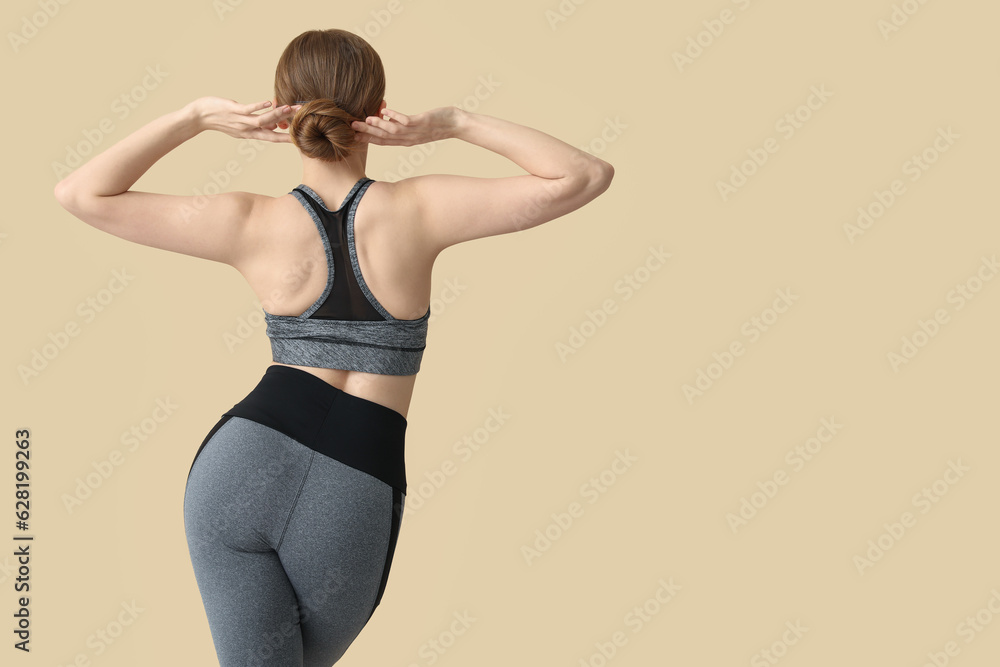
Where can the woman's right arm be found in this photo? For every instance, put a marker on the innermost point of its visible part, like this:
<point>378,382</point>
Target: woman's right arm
<point>452,209</point>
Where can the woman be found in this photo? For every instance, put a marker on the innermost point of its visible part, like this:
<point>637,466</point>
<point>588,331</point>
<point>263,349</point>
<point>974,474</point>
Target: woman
<point>293,501</point>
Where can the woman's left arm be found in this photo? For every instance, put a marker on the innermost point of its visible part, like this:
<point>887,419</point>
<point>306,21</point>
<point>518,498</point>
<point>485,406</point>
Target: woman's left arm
<point>211,227</point>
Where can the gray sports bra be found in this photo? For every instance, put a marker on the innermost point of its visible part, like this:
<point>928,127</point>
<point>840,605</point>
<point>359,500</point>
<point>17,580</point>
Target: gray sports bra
<point>346,327</point>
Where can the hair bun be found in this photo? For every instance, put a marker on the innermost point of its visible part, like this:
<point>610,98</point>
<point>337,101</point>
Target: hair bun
<point>322,130</point>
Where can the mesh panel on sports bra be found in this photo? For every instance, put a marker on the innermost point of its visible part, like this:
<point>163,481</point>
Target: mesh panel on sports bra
<point>345,301</point>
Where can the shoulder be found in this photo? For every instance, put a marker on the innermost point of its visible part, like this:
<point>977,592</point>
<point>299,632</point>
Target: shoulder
<point>258,203</point>
<point>265,212</point>
<point>389,197</point>
<point>393,205</point>
<point>391,211</point>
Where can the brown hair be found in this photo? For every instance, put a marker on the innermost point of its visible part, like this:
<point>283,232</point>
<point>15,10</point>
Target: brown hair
<point>340,78</point>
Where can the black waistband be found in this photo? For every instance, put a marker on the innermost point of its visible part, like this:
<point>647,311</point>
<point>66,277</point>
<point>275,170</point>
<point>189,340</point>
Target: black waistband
<point>356,431</point>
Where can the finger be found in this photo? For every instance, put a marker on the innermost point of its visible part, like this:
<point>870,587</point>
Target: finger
<point>273,115</point>
<point>257,106</point>
<point>366,130</point>
<point>400,118</point>
<point>381,128</point>
<point>270,135</point>
<point>263,122</point>
<point>361,127</point>
<point>278,114</point>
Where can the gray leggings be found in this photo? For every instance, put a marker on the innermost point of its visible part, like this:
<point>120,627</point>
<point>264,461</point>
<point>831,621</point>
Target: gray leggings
<point>292,509</point>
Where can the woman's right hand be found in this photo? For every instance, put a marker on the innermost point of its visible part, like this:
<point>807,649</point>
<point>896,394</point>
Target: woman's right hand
<point>401,130</point>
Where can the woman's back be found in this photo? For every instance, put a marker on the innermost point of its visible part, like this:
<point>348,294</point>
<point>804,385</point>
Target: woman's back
<point>288,271</point>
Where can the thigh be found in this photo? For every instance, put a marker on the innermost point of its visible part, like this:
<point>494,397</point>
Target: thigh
<point>241,488</point>
<point>251,607</point>
<point>336,551</point>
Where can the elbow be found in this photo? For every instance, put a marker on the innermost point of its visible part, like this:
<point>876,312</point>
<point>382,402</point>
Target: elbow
<point>607,173</point>
<point>70,198</point>
<point>600,177</point>
<point>589,183</point>
<point>63,194</point>
<point>593,173</point>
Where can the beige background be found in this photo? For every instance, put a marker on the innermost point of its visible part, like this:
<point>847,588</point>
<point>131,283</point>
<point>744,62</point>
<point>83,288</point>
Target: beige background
<point>672,133</point>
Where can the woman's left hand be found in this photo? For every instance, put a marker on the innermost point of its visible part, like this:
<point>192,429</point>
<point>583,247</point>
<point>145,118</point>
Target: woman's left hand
<point>242,120</point>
